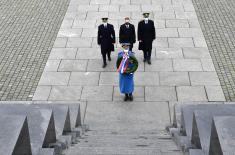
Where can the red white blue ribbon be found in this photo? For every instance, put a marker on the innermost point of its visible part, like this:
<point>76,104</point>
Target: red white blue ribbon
<point>124,64</point>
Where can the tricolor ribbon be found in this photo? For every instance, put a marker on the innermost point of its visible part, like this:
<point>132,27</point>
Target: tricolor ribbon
<point>124,64</point>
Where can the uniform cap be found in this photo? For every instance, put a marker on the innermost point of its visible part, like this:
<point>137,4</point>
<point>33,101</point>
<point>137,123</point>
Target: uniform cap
<point>126,44</point>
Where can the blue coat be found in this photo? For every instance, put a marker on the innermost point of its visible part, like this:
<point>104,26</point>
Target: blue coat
<point>126,81</point>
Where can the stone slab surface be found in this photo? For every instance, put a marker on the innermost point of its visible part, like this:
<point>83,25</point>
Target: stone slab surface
<point>204,122</point>
<point>40,124</point>
<point>132,116</point>
<point>182,68</point>
<point>14,135</point>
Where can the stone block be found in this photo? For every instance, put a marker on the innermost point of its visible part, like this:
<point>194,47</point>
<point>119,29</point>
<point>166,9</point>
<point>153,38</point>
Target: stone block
<point>160,93</point>
<point>215,93</point>
<point>141,2</point>
<point>87,8</point>
<point>109,8</point>
<point>89,53</point>
<point>121,2</point>
<point>200,42</point>
<point>172,8</point>
<point>204,78</point>
<point>167,32</point>
<point>146,79</point>
<point>60,42</point>
<point>160,65</point>
<point>202,125</point>
<point>42,93</point>
<point>151,8</point>
<point>63,93</point>
<point>174,79</point>
<point>70,32</point>
<point>67,23</point>
<point>190,32</point>
<point>79,42</point>
<point>14,135</point>
<point>180,42</point>
<point>169,53</point>
<point>208,65</point>
<point>164,15</point>
<point>119,15</point>
<point>97,93</point>
<point>95,65</point>
<point>81,24</point>
<point>141,116</point>
<point>196,53</point>
<point>195,152</point>
<point>73,65</point>
<point>40,122</point>
<point>46,151</point>
<point>109,78</point>
<point>54,78</point>
<point>187,65</point>
<point>160,24</point>
<point>177,23</point>
<point>127,8</point>
<point>161,42</point>
<point>222,135</point>
<point>52,65</point>
<point>185,15</point>
<point>100,2</point>
<point>88,33</point>
<point>95,15</point>
<point>84,78</point>
<point>63,53</point>
<point>165,2</point>
<point>191,93</point>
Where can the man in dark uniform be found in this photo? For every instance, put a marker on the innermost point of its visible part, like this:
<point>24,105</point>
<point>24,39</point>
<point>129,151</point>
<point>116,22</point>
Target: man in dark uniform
<point>106,40</point>
<point>127,33</point>
<point>146,35</point>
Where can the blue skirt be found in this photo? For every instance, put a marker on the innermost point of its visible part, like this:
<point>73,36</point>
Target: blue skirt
<point>126,83</point>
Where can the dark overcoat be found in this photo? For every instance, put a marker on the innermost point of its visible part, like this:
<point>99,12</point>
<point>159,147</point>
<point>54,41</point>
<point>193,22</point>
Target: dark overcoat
<point>127,35</point>
<point>106,38</point>
<point>146,33</point>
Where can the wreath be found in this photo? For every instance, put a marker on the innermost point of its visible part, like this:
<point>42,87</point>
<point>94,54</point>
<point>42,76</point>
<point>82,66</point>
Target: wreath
<point>132,64</point>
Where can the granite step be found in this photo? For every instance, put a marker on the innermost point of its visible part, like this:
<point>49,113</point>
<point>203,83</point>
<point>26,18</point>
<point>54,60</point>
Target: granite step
<point>118,151</point>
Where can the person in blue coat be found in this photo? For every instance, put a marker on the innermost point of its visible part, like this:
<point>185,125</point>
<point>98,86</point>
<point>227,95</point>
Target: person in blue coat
<point>127,64</point>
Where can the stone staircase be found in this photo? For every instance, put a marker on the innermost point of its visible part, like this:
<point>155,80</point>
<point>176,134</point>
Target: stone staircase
<point>131,128</point>
<point>101,142</point>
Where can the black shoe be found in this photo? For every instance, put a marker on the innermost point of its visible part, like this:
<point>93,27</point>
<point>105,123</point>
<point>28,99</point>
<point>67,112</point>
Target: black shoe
<point>104,65</point>
<point>109,59</point>
<point>131,97</point>
<point>126,98</point>
<point>149,62</point>
<point>144,60</point>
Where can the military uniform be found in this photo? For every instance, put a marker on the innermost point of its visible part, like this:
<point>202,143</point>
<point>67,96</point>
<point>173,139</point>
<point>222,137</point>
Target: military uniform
<point>146,35</point>
<point>106,40</point>
<point>127,34</point>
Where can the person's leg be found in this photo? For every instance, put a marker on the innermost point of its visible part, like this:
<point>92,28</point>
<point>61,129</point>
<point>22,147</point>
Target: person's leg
<point>126,97</point>
<point>145,55</point>
<point>149,53</point>
<point>131,97</point>
<point>109,55</point>
<point>104,59</point>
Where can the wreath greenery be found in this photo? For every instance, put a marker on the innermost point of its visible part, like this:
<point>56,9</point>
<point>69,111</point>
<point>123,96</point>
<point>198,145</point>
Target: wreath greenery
<point>132,60</point>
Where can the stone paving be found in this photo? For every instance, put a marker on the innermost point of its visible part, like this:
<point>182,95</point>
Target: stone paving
<point>217,19</point>
<point>181,70</point>
<point>27,32</point>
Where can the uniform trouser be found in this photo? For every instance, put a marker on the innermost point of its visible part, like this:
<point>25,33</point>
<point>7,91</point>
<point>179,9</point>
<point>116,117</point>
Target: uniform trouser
<point>108,53</point>
<point>147,54</point>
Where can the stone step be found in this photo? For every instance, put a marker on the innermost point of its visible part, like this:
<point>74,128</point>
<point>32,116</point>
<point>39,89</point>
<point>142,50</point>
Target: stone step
<point>118,151</point>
